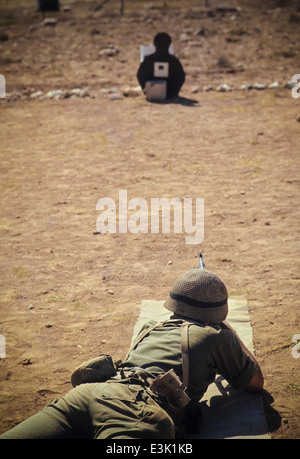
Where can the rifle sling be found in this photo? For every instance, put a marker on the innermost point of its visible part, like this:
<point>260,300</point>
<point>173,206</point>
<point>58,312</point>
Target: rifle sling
<point>185,354</point>
<point>184,345</point>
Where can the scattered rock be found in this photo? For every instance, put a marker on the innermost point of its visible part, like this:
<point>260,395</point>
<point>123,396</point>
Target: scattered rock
<point>36,94</point>
<point>200,31</point>
<point>115,96</point>
<point>195,89</point>
<point>113,90</point>
<point>184,37</point>
<point>131,92</point>
<point>298,118</point>
<point>259,86</point>
<point>75,91</point>
<point>274,85</point>
<point>109,51</point>
<point>59,94</point>
<point>80,92</point>
<point>111,292</point>
<point>246,86</point>
<point>49,22</point>
<point>128,91</point>
<point>26,362</point>
<point>14,95</point>
<point>290,84</point>
<point>114,93</point>
<point>224,88</point>
<point>54,94</point>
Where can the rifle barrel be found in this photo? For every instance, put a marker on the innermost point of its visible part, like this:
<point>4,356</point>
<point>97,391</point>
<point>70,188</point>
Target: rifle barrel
<point>201,262</point>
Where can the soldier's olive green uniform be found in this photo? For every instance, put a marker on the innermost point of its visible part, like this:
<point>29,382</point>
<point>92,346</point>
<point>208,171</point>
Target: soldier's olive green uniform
<point>98,410</point>
<point>126,409</point>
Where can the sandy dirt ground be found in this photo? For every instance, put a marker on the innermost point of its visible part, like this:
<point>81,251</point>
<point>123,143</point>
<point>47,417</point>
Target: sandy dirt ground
<point>69,292</point>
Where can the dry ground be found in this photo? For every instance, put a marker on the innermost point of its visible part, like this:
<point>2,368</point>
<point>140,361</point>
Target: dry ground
<point>69,293</point>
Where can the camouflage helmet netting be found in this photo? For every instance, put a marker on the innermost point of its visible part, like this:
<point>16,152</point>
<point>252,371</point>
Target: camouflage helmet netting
<point>200,295</point>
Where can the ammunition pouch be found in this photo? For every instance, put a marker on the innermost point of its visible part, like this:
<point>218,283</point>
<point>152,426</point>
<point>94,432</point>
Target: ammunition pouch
<point>98,369</point>
<point>169,388</point>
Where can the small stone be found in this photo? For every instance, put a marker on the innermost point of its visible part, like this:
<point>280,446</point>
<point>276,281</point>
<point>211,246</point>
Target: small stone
<point>67,94</point>
<point>200,31</point>
<point>55,94</point>
<point>298,118</point>
<point>274,85</point>
<point>76,91</point>
<point>290,84</point>
<point>49,22</point>
<point>113,90</point>
<point>131,92</point>
<point>84,92</point>
<point>109,51</point>
<point>184,37</point>
<point>111,292</point>
<point>224,88</point>
<point>36,94</point>
<point>14,95</point>
<point>246,86</point>
<point>259,86</point>
<point>115,96</point>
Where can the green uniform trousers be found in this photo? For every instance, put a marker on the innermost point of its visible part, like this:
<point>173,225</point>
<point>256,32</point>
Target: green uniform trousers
<point>110,410</point>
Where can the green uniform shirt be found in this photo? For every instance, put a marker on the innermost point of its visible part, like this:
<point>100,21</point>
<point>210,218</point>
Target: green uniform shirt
<point>212,351</point>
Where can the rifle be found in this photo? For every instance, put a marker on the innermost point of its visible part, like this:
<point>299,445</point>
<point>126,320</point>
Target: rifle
<point>201,262</point>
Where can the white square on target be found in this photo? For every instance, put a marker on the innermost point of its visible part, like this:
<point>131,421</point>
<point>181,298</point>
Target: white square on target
<point>161,69</point>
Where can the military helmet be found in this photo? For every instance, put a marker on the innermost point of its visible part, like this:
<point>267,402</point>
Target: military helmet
<point>200,295</point>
